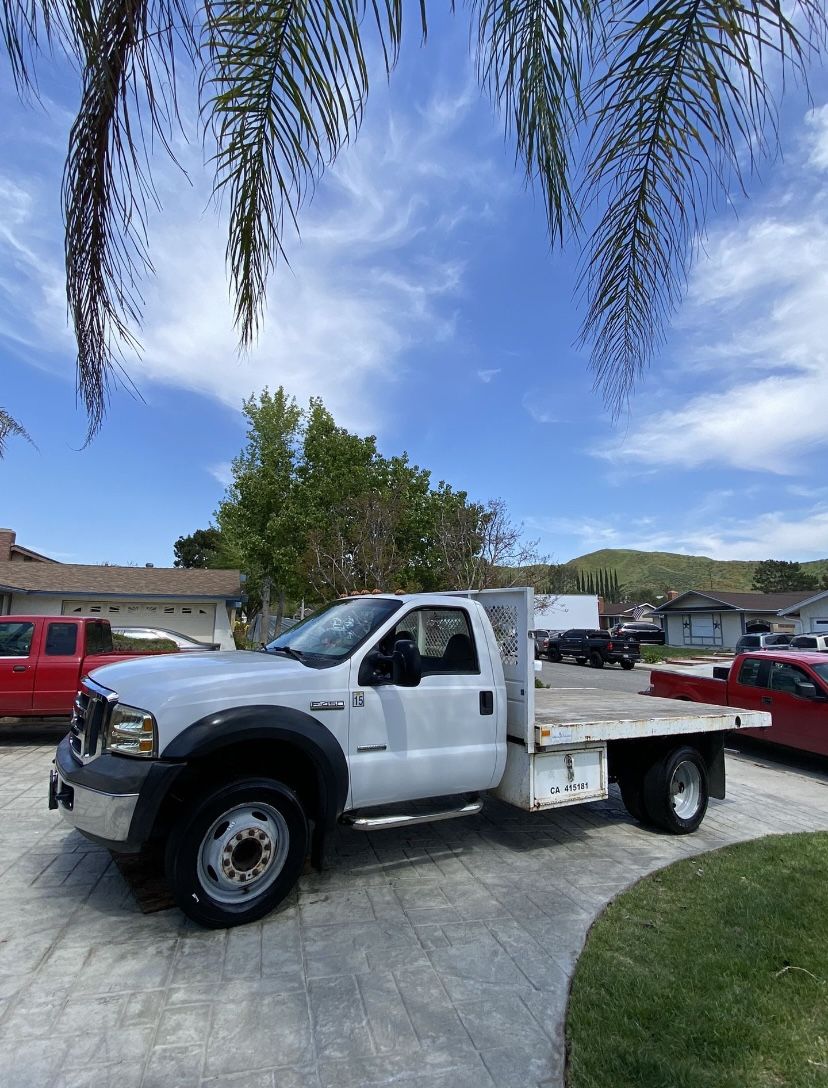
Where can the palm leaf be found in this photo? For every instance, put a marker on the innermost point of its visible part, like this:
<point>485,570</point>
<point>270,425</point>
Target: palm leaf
<point>10,428</point>
<point>683,99</point>
<point>128,50</point>
<point>283,90</point>
<point>531,54</point>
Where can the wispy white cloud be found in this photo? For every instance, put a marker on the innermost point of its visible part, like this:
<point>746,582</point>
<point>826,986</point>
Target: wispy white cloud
<point>757,324</point>
<point>486,376</point>
<point>223,472</point>
<point>374,274</point>
<point>705,528</point>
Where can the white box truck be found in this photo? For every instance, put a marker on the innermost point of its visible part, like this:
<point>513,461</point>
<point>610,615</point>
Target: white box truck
<point>242,763</point>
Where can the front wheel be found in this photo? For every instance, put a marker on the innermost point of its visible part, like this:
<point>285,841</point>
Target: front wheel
<point>595,660</point>
<point>238,853</point>
<point>555,655</point>
<point>676,791</point>
<point>627,665</point>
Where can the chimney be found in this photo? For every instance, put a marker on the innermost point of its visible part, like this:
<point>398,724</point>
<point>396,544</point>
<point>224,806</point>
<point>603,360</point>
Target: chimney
<point>672,594</point>
<point>7,538</point>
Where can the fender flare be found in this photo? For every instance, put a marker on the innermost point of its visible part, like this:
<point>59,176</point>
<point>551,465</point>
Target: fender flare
<point>236,725</point>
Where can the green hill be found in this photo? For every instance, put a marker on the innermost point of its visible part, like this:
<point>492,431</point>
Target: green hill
<point>669,570</point>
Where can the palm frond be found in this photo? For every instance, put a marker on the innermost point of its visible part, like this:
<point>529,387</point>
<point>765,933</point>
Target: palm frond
<point>530,57</point>
<point>282,91</point>
<point>128,49</point>
<point>10,428</point>
<point>683,108</point>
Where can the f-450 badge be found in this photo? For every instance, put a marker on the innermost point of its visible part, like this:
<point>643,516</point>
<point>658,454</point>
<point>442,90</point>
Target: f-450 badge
<point>328,704</point>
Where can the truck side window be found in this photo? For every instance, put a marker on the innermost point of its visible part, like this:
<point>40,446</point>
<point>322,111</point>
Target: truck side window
<point>749,673</point>
<point>16,639</point>
<point>444,639</point>
<point>61,639</point>
<point>785,677</point>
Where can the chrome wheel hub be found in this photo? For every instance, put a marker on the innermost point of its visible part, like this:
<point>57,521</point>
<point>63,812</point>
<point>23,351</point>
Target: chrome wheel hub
<point>243,852</point>
<point>685,790</point>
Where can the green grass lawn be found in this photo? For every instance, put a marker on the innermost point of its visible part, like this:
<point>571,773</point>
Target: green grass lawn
<point>712,973</point>
<point>655,654</point>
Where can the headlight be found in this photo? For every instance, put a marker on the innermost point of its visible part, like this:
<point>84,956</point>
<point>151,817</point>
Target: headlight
<point>131,731</point>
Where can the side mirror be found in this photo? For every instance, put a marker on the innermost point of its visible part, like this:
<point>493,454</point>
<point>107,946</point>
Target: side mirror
<point>807,690</point>
<point>406,665</point>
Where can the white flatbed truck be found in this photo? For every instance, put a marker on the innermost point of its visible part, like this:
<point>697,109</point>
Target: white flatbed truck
<point>241,763</point>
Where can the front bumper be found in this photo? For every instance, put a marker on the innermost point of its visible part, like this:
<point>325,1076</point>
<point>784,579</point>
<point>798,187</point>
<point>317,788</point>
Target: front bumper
<point>113,800</point>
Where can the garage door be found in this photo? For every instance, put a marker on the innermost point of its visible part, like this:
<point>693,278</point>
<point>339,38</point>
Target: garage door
<point>196,620</point>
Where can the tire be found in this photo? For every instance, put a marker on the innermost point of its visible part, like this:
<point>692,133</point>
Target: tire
<point>627,665</point>
<point>554,655</point>
<point>204,854</point>
<point>676,791</point>
<point>595,660</point>
<point>632,794</point>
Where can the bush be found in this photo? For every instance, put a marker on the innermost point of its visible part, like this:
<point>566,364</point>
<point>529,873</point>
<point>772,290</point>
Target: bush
<point>157,645</point>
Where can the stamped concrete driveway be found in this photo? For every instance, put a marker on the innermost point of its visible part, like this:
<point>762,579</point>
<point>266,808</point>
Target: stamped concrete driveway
<point>433,958</point>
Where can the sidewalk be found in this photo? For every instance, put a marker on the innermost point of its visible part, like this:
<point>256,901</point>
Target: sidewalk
<point>436,957</point>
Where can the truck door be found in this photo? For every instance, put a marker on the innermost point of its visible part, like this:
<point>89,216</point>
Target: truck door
<point>17,665</point>
<point>799,720</point>
<point>438,738</point>
<point>58,667</point>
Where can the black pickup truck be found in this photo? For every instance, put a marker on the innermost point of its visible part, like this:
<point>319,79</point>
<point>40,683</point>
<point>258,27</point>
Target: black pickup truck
<point>599,648</point>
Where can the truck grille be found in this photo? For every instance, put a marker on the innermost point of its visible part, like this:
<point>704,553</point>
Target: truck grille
<point>89,713</point>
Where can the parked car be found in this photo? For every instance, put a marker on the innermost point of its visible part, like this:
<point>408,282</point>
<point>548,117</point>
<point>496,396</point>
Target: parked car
<point>810,642</point>
<point>640,630</point>
<point>44,658</point>
<point>598,648</point>
<point>541,637</point>
<point>183,642</point>
<point>792,685</point>
<point>764,641</point>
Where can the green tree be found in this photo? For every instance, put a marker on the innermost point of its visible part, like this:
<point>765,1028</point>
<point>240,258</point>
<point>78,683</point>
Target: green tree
<point>638,109</point>
<point>261,515</point>
<point>780,576</point>
<point>203,548</point>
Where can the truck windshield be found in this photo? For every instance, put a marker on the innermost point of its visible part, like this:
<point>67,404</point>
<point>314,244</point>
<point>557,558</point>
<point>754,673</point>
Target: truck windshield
<point>329,636</point>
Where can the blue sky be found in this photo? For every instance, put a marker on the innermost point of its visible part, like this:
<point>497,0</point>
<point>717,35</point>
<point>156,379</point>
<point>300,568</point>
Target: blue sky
<point>423,304</point>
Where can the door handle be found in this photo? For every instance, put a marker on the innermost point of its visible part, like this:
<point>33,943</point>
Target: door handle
<point>487,702</point>
<point>766,699</point>
<point>19,668</point>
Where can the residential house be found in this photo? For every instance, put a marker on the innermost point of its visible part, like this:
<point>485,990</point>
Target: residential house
<point>196,602</point>
<point>612,612</point>
<point>719,618</point>
<point>813,613</point>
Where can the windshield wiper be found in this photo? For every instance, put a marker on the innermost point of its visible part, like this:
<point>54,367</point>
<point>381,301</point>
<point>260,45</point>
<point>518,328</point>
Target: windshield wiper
<point>297,655</point>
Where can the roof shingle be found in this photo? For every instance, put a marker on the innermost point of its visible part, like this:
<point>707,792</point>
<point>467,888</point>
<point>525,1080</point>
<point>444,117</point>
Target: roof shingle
<point>121,581</point>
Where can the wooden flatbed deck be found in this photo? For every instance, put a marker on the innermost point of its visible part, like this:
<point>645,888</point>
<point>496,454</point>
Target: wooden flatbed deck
<point>594,714</point>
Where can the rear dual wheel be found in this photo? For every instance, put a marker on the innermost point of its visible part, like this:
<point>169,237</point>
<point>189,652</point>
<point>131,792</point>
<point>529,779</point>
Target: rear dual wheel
<point>672,793</point>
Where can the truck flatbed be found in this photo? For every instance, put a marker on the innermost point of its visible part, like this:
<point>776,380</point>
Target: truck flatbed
<point>585,715</point>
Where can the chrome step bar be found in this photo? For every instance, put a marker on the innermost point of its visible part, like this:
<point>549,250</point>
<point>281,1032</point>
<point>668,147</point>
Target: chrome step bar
<point>380,823</point>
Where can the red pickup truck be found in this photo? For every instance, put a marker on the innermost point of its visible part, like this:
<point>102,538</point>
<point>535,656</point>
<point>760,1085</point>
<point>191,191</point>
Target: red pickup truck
<point>42,660</point>
<point>792,686</point>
